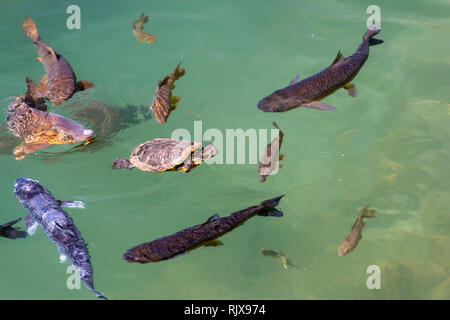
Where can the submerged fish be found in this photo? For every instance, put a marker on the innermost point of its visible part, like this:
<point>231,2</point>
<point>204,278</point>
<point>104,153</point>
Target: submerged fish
<point>204,234</point>
<point>140,35</point>
<point>59,83</point>
<point>270,156</point>
<point>45,211</point>
<point>40,129</point>
<point>309,92</point>
<point>352,239</point>
<point>163,101</point>
<point>280,256</point>
<point>8,231</point>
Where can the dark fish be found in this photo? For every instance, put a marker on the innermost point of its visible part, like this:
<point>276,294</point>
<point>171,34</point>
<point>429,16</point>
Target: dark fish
<point>8,231</point>
<point>309,92</point>
<point>270,156</point>
<point>45,211</point>
<point>352,239</point>
<point>140,35</point>
<point>59,83</point>
<point>280,256</point>
<point>204,234</point>
<point>40,129</point>
<point>163,101</point>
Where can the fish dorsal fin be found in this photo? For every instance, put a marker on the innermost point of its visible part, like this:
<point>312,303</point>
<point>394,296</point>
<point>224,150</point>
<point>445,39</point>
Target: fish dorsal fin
<point>295,80</point>
<point>339,58</point>
<point>213,218</point>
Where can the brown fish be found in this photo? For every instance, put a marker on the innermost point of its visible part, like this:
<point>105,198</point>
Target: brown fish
<point>8,231</point>
<point>270,156</point>
<point>59,83</point>
<point>352,239</point>
<point>204,234</point>
<point>309,92</point>
<point>140,35</point>
<point>280,256</point>
<point>40,129</point>
<point>163,101</point>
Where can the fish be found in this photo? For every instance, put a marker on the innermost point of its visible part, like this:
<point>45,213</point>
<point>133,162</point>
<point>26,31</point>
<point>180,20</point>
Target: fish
<point>309,92</point>
<point>280,256</point>
<point>45,211</point>
<point>59,83</point>
<point>8,231</point>
<point>267,161</point>
<point>352,239</point>
<point>40,129</point>
<point>140,35</point>
<point>204,234</point>
<point>163,102</point>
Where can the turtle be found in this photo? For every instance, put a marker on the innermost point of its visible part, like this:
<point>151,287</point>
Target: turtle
<point>164,154</point>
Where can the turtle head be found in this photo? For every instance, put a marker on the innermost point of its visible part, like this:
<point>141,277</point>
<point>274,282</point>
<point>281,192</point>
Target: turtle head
<point>206,152</point>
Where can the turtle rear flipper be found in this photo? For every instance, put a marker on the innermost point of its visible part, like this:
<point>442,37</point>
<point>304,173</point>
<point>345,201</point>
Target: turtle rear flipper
<point>122,163</point>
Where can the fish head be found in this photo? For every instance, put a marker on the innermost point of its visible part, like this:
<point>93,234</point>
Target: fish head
<point>26,188</point>
<point>69,131</point>
<point>133,256</point>
<point>278,101</point>
<point>344,248</point>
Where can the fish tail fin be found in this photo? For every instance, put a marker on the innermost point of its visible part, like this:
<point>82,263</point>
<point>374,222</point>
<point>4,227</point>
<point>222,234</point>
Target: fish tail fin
<point>29,28</point>
<point>367,213</point>
<point>97,293</point>
<point>373,30</point>
<point>269,207</point>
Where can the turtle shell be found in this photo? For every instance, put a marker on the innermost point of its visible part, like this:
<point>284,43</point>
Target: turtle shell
<point>162,154</point>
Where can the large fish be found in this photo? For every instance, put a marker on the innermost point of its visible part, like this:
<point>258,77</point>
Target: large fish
<point>352,239</point>
<point>45,211</point>
<point>270,156</point>
<point>8,231</point>
<point>59,83</point>
<point>140,35</point>
<point>163,102</point>
<point>309,92</point>
<point>204,234</point>
<point>40,129</point>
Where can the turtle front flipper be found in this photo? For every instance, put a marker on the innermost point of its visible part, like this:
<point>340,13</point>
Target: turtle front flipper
<point>25,148</point>
<point>186,166</point>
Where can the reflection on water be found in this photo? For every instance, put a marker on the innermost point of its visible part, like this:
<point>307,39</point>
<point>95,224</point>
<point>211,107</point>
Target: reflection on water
<point>105,120</point>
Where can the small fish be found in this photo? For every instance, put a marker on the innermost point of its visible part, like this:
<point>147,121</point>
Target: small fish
<point>353,238</point>
<point>59,83</point>
<point>309,92</point>
<point>204,234</point>
<point>280,256</point>
<point>271,156</point>
<point>140,35</point>
<point>40,129</point>
<point>163,101</point>
<point>8,231</point>
<point>45,211</point>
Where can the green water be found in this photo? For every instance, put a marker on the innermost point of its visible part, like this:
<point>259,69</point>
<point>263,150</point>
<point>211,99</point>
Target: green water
<point>389,148</point>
